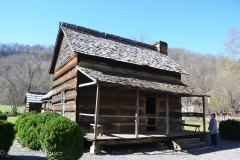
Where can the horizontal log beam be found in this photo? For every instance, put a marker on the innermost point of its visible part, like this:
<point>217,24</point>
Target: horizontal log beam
<point>70,95</point>
<point>69,85</point>
<point>69,75</point>
<point>69,65</point>
<point>70,115</point>
<point>67,107</point>
<point>105,107</point>
<point>120,116</point>
<point>56,107</point>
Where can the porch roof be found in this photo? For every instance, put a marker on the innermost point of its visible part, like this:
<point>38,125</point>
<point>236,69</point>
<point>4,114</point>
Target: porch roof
<point>47,96</point>
<point>141,82</point>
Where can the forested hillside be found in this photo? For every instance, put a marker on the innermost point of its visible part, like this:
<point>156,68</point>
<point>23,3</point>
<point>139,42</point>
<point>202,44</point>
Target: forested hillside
<point>218,76</point>
<point>25,68</point>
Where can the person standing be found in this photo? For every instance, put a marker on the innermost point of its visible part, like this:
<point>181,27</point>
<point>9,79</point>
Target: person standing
<point>213,129</point>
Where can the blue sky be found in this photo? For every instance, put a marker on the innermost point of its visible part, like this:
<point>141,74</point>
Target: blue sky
<point>196,25</point>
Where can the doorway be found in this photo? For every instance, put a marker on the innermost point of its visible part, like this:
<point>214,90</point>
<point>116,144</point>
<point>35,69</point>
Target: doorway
<point>151,112</point>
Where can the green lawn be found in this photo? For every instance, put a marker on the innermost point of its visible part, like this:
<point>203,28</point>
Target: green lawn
<point>12,119</point>
<point>7,108</point>
<point>197,123</point>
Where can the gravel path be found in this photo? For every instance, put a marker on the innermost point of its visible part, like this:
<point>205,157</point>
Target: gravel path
<point>226,150</point>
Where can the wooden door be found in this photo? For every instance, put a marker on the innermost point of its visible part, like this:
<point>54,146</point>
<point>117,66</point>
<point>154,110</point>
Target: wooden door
<point>151,112</point>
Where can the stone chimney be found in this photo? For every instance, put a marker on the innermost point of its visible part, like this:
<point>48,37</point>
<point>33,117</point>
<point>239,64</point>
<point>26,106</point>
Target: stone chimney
<point>162,47</point>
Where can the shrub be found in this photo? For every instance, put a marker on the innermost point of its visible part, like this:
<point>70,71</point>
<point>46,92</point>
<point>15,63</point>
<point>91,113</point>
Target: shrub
<point>7,134</point>
<point>3,117</point>
<point>230,129</point>
<point>62,139</point>
<point>29,128</point>
<point>21,117</point>
<point>27,132</point>
<point>45,117</point>
<point>41,119</point>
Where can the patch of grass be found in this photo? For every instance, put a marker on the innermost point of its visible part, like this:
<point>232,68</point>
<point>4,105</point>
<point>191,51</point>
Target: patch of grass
<point>7,108</point>
<point>12,119</point>
<point>196,123</point>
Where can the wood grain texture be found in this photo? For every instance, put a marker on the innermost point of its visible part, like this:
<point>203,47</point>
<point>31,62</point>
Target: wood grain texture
<point>68,66</point>
<point>67,107</point>
<point>70,95</point>
<point>67,76</point>
<point>122,101</point>
<point>99,66</point>
<point>70,115</point>
<point>69,85</point>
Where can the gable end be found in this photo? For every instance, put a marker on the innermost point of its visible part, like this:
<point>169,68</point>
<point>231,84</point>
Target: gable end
<point>65,54</point>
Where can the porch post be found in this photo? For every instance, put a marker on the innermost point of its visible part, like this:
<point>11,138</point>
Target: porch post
<point>137,113</point>
<point>96,111</point>
<point>167,115</point>
<point>203,100</point>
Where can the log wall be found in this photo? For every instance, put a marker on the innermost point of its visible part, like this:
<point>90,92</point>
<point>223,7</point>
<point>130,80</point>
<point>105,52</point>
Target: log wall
<point>174,113</point>
<point>33,107</point>
<point>46,104</point>
<point>122,101</point>
<point>174,109</point>
<point>65,79</point>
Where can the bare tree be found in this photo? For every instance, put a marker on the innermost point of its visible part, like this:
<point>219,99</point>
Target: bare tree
<point>142,37</point>
<point>232,43</point>
<point>13,92</point>
<point>23,72</point>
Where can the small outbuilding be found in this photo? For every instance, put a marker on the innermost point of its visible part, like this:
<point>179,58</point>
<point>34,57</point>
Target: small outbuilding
<point>33,101</point>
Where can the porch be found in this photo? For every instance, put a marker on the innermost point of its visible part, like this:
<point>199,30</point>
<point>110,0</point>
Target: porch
<point>150,136</point>
<point>132,109</point>
<point>155,138</point>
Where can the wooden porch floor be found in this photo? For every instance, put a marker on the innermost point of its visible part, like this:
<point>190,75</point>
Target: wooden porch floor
<point>144,135</point>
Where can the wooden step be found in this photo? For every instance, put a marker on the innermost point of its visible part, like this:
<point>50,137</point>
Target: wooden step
<point>189,140</point>
<point>191,143</point>
<point>203,144</point>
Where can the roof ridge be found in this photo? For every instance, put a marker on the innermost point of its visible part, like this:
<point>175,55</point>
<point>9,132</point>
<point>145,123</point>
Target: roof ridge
<point>106,35</point>
<point>31,92</point>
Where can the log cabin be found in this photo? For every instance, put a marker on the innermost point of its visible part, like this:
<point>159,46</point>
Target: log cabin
<point>131,91</point>
<point>33,101</point>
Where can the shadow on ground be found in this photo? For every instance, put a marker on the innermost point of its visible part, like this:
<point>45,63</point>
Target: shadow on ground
<point>223,144</point>
<point>29,158</point>
<point>20,157</point>
<point>148,149</point>
<point>151,149</point>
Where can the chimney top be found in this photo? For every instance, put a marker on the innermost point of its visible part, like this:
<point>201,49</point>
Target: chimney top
<point>161,46</point>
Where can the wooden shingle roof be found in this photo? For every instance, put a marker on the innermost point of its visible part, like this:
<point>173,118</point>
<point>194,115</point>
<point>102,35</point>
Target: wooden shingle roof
<point>142,82</point>
<point>34,97</point>
<point>90,42</point>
